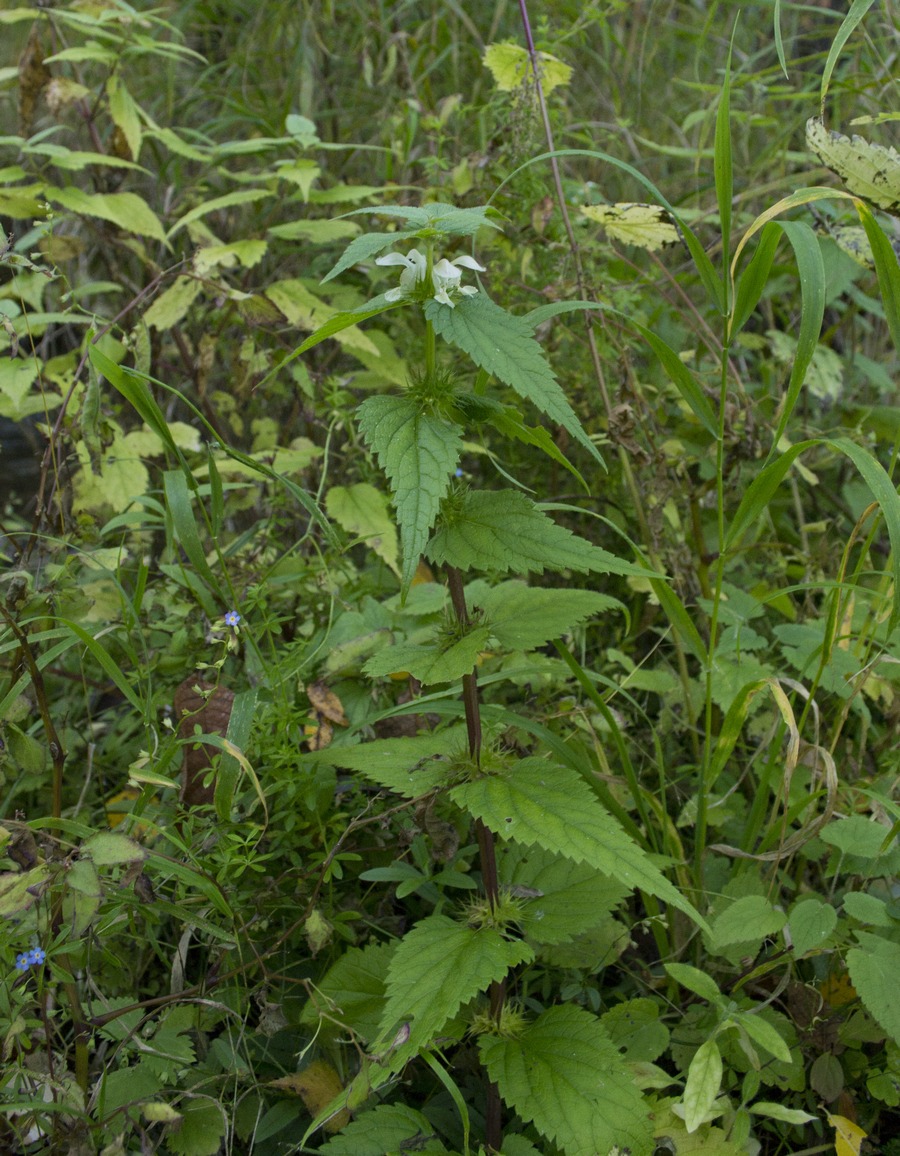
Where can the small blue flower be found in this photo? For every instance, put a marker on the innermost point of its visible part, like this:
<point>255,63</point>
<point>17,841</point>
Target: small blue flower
<point>36,955</point>
<point>232,618</point>
<point>23,962</point>
<point>459,472</point>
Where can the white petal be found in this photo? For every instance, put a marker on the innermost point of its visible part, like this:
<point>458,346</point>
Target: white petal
<point>441,296</point>
<point>446,274</point>
<point>392,259</point>
<point>469,291</point>
<point>469,263</point>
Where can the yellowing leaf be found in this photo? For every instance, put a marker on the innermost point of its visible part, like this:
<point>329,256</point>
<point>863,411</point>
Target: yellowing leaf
<point>124,113</point>
<point>317,1085</point>
<point>648,226</point>
<point>363,510</point>
<point>510,66</point>
<point>127,210</point>
<point>868,170</point>
<point>847,1136</point>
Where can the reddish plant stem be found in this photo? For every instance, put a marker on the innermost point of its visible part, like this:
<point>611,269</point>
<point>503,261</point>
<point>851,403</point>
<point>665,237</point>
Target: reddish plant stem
<point>493,1112</point>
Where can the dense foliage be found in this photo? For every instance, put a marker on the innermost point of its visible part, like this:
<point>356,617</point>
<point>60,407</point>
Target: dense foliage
<point>450,632</point>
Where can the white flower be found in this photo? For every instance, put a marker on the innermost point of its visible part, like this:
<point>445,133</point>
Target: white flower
<point>416,268</point>
<point>445,276</point>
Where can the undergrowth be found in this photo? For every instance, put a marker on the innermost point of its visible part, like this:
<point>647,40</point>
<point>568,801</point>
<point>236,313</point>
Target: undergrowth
<point>449,640</point>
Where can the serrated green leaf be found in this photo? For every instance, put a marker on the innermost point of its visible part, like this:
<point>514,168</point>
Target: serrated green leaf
<point>750,918</point>
<point>855,835</point>
<point>418,452</point>
<point>410,766</point>
<point>437,968</point>
<point>524,617</point>
<point>511,67</point>
<point>701,1088</point>
<point>504,345</point>
<point>535,801</point>
<point>510,423</point>
<point>387,1128</point>
<point>694,980</point>
<point>502,531</point>
<point>573,897</point>
<point>564,1075</point>
<point>437,217</point>
<point>434,663</point>
<point>867,909</point>
<point>127,210</point>
<point>874,967</point>
<point>810,924</point>
<point>352,992</point>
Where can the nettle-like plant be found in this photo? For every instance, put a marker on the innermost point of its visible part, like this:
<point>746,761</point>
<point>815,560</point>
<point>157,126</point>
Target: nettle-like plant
<point>553,860</point>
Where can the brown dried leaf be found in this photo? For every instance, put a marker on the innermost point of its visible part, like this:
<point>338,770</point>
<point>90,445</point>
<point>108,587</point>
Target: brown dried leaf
<point>200,703</point>
<point>327,703</point>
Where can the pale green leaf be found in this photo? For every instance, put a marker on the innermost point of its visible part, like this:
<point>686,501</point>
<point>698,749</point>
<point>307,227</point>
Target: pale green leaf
<point>364,248</point>
<point>855,835</point>
<point>535,801</point>
<point>874,967</point>
<point>647,226</point>
<point>505,346</point>
<point>868,170</point>
<point>694,980</point>
<point>217,204</point>
<point>765,1034</point>
<point>418,451</point>
<point>408,766</point>
<point>749,919</point>
<point>510,65</point>
<point>501,531</point>
<point>307,311</point>
<point>524,617</point>
<point>867,909</point>
<point>247,254</point>
<point>564,1075</point>
<point>780,1112</point>
<point>438,662</point>
<point>363,511</point>
<point>127,210</point>
<point>701,1088</point>
<point>124,113</point>
<point>437,968</point>
<point>810,924</point>
<point>172,306</point>
<point>316,231</point>
<point>20,889</point>
<point>108,848</point>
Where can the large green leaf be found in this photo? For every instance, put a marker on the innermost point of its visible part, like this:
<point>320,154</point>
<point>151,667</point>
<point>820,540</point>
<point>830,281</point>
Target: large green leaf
<point>127,210</point>
<point>501,531</point>
<point>432,663</point>
<point>564,1075</point>
<point>504,345</point>
<point>874,967</point>
<point>701,1088</point>
<point>352,992</point>
<point>388,1128</point>
<point>751,917</point>
<point>437,968</point>
<point>572,897</point>
<point>418,452</point>
<point>523,617</point>
<point>410,767</point>
<point>535,801</point>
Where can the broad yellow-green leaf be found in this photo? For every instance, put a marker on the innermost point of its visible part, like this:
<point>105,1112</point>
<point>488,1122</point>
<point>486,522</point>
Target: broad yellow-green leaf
<point>510,66</point>
<point>363,510</point>
<point>647,226</point>
<point>172,305</point>
<point>108,849</point>
<point>868,170</point>
<point>124,113</point>
<point>244,253</point>
<point>127,210</point>
<point>704,1079</point>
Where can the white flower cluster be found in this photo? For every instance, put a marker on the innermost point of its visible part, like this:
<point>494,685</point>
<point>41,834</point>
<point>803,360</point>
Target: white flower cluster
<point>445,276</point>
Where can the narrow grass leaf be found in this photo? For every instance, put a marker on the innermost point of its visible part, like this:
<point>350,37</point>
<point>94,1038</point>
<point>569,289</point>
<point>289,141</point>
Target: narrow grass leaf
<point>723,164</point>
<point>178,501</point>
<point>887,269</point>
<point>858,9</point>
